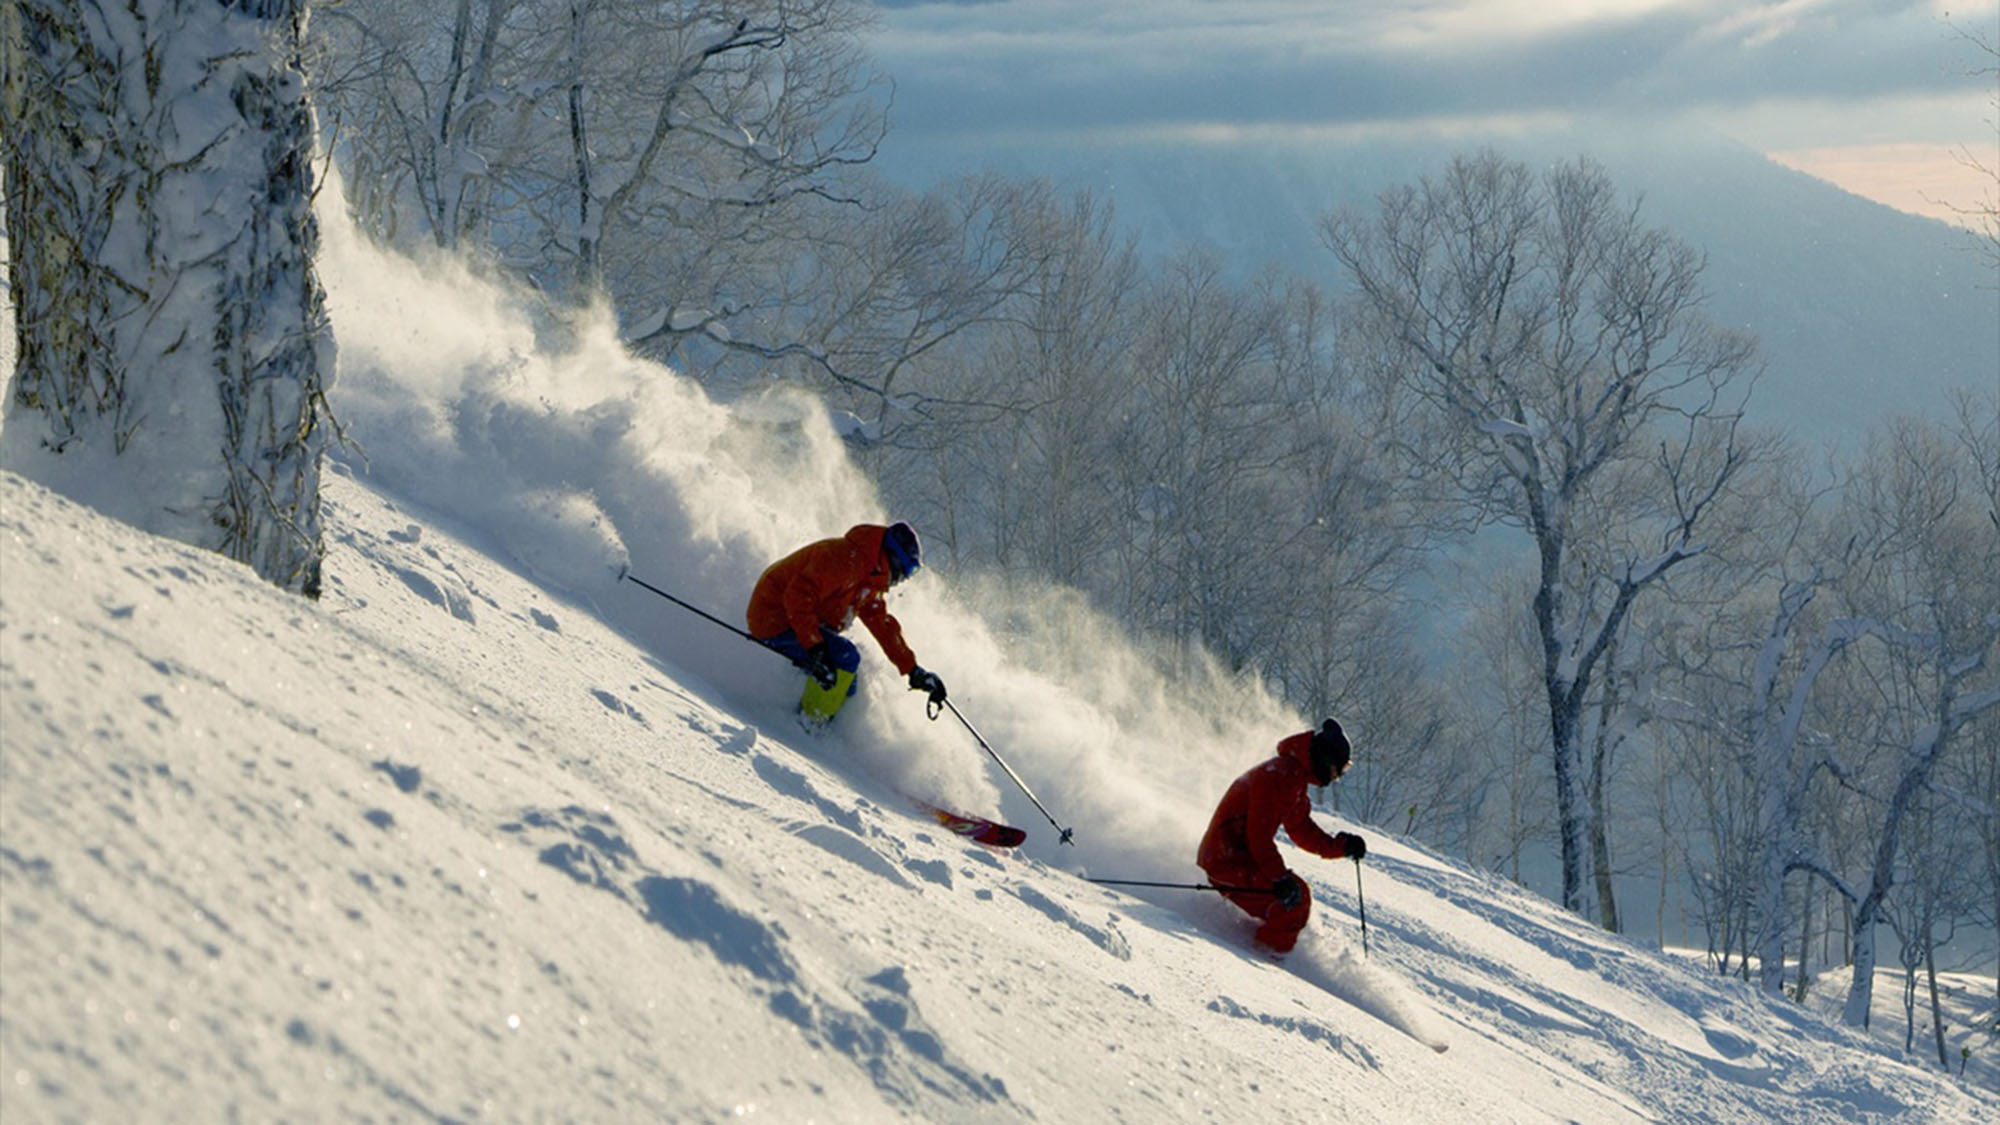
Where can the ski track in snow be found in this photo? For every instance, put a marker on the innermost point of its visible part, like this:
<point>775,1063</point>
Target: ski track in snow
<point>445,847</point>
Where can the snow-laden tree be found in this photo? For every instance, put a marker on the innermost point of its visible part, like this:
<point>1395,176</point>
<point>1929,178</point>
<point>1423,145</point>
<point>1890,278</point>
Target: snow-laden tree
<point>423,104</point>
<point>1826,705</point>
<point>1741,665</point>
<point>1560,378</point>
<point>173,352</point>
<point>1973,782</point>
<point>1931,594</point>
<point>1783,759</point>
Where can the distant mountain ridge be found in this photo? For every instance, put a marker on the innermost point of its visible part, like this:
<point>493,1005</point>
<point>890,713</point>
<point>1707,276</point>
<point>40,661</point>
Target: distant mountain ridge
<point>1860,310</point>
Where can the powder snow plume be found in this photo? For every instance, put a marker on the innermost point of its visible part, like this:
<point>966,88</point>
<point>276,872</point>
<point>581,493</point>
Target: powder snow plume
<point>581,460</point>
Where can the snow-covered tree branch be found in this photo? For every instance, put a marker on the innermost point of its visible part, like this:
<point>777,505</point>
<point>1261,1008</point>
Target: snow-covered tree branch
<point>670,157</point>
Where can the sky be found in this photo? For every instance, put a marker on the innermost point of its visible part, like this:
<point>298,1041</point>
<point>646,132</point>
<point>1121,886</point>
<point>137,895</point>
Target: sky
<point>1886,99</point>
<point>486,833</point>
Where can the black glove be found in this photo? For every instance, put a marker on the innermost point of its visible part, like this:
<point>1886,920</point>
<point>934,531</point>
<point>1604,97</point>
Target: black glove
<point>1352,846</point>
<point>1290,889</point>
<point>921,680</point>
<point>819,665</point>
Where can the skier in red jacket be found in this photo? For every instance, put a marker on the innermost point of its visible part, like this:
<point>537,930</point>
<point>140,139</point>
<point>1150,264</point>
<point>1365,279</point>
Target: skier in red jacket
<point>1240,849</point>
<point>804,601</point>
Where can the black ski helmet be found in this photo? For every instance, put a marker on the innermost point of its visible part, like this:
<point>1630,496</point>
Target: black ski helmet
<point>1330,753</point>
<point>904,552</point>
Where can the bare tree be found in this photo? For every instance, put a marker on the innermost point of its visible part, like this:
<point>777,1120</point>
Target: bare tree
<point>1067,354</point>
<point>699,166</point>
<point>1179,446</point>
<point>1983,215</point>
<point>1200,440</point>
<point>1512,791</point>
<point>1563,381</point>
<point>173,349</point>
<point>1784,761</point>
<point>710,122</point>
<point>674,157</point>
<point>423,104</point>
<point>1935,899</point>
<point>1827,735</point>
<point>1977,430</point>
<point>878,302</point>
<point>1972,784</point>
<point>1933,592</point>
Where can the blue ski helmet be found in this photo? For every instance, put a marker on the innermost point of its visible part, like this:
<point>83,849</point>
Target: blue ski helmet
<point>905,554</point>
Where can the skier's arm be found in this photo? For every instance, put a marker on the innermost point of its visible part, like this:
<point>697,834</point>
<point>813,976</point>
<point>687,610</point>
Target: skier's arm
<point>887,631</point>
<point>1307,834</point>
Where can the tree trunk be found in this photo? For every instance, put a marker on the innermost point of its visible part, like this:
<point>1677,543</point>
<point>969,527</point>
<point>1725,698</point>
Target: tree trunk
<point>589,274</point>
<point>1600,757</point>
<point>275,349</point>
<point>173,346</point>
<point>1909,1002</point>
<point>1805,941</point>
<point>1937,1009</point>
<point>1571,809</point>
<point>1918,763</point>
<point>1600,849</point>
<point>1770,908</point>
<point>1565,715</point>
<point>1859,1008</point>
<point>1993,881</point>
<point>1778,715</point>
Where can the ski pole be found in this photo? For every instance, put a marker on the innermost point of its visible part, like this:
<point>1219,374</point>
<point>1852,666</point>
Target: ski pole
<point>1184,886</point>
<point>1363,901</point>
<point>694,609</point>
<point>1065,832</point>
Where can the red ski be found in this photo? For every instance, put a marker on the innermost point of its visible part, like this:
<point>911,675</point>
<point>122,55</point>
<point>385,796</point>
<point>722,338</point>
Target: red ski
<point>978,829</point>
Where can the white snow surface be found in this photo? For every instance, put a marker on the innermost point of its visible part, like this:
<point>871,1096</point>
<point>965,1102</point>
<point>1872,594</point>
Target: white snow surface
<point>485,834</point>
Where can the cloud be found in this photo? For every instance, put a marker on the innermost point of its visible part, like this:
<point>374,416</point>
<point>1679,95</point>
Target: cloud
<point>1149,65</point>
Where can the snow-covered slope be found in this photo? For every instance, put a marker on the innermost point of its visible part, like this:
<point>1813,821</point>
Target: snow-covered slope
<point>486,834</point>
<point>448,846</point>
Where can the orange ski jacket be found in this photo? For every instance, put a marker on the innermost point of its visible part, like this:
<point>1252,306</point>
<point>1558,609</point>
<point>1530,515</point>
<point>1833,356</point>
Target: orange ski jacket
<point>830,582</point>
<point>1242,835</point>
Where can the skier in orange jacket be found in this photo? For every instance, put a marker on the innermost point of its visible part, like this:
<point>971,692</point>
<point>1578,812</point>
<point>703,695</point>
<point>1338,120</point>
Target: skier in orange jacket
<point>1240,849</point>
<point>803,602</point>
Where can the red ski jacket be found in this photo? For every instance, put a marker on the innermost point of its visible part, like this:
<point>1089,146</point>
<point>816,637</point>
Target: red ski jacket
<point>1242,835</point>
<point>830,583</point>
